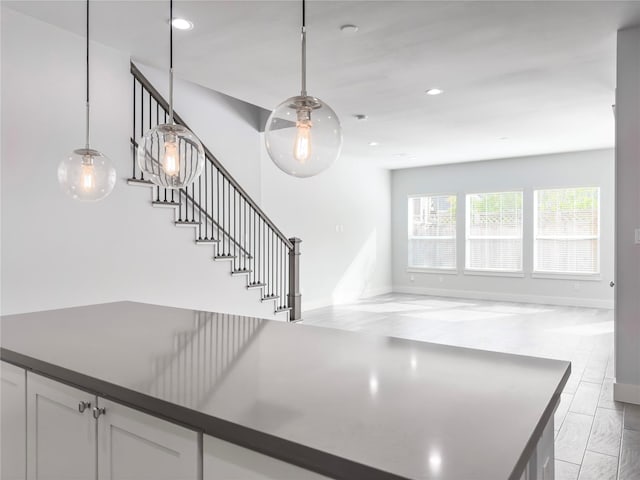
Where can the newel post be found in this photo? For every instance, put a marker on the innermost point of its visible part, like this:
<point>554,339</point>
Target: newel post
<point>295,298</point>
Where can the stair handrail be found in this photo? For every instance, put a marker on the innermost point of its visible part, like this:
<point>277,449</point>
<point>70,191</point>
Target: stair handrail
<point>210,157</point>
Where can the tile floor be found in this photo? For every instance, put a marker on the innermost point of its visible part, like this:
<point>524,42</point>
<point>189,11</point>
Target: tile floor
<point>596,438</point>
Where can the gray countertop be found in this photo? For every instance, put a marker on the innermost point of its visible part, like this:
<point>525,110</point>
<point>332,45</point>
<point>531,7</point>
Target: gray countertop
<point>330,400</point>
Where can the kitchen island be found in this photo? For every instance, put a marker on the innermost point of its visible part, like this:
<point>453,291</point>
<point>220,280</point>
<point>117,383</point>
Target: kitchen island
<point>317,400</point>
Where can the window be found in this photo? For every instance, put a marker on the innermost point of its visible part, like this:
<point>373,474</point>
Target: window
<point>432,232</point>
<point>567,230</point>
<point>494,232</point>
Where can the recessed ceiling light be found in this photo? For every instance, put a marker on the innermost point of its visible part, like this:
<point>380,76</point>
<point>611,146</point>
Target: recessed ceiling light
<point>349,29</point>
<point>434,91</point>
<point>182,24</point>
<point>373,144</point>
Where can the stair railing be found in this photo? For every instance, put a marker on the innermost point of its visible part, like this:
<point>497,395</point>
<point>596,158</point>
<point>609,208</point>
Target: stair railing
<point>222,213</point>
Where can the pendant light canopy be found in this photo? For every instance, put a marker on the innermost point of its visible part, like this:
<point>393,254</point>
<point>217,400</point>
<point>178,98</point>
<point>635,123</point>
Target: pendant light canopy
<point>303,134</point>
<point>170,155</point>
<point>87,174</point>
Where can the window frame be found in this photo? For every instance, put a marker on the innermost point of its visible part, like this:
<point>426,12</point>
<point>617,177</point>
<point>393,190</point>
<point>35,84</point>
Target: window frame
<point>438,270</point>
<point>467,220</point>
<point>535,273</point>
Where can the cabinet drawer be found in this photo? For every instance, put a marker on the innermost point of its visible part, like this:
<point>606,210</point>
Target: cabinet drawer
<point>226,461</point>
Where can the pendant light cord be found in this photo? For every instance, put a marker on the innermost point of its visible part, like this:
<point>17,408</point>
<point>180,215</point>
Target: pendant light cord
<point>87,97</point>
<point>303,90</point>
<point>171,62</point>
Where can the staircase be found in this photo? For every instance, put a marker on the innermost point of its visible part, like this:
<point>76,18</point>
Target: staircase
<point>222,214</point>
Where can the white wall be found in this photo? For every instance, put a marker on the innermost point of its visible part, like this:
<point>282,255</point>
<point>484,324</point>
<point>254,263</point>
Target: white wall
<point>592,168</point>
<point>343,218</point>
<point>627,324</point>
<point>57,252</point>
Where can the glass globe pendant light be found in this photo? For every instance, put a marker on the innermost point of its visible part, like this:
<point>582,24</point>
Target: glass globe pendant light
<point>171,155</point>
<point>303,134</point>
<point>87,174</point>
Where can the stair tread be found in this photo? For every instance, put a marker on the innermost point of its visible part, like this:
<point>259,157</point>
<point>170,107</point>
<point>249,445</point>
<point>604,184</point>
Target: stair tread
<point>161,203</point>
<point>207,241</point>
<point>240,270</point>
<point>224,257</point>
<point>140,182</point>
<point>187,222</point>
<point>269,297</point>
<point>283,309</point>
<point>256,285</point>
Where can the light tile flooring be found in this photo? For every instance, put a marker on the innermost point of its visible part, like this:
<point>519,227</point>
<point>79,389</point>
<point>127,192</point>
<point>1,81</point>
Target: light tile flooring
<point>596,438</point>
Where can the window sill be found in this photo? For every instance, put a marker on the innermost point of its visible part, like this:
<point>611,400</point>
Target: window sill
<point>445,271</point>
<point>588,277</point>
<point>494,273</point>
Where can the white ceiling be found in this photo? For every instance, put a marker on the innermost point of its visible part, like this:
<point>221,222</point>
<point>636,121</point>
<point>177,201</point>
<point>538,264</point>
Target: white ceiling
<point>520,77</point>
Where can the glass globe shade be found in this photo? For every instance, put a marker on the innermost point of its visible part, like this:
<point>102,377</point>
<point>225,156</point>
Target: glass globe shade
<point>171,156</point>
<point>303,136</point>
<point>87,175</point>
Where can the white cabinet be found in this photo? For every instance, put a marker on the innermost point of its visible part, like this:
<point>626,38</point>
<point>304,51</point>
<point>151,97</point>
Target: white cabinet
<point>61,441</point>
<point>135,446</point>
<point>57,432</point>
<point>13,423</point>
<point>224,460</point>
<point>121,444</point>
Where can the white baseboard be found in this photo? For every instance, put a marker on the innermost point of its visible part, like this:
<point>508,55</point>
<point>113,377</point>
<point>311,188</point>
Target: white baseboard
<point>625,392</point>
<point>507,297</point>
<point>327,302</point>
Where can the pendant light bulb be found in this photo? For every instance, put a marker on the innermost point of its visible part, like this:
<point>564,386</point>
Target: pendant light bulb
<point>171,159</point>
<point>303,134</point>
<point>170,155</point>
<point>302,143</point>
<point>88,177</point>
<point>86,174</point>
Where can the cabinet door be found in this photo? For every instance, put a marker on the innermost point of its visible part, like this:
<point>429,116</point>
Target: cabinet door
<point>61,441</point>
<point>13,422</point>
<point>136,446</point>
<point>224,460</point>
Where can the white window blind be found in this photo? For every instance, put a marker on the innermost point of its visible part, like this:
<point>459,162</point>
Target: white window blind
<point>567,230</point>
<point>494,231</point>
<point>432,231</point>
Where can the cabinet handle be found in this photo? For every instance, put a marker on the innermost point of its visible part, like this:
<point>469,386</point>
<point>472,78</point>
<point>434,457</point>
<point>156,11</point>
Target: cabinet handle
<point>611,284</point>
<point>98,411</point>
<point>82,406</point>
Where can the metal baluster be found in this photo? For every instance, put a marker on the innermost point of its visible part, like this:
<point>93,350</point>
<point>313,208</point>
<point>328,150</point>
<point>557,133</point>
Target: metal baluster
<point>267,237</point>
<point>134,128</point>
<point>199,203</point>
<point>280,272</point>
<point>227,212</point>
<point>242,259</point>
<point>193,200</point>
<point>206,200</point>
<point>244,234</point>
<point>235,235</point>
<point>141,121</point>
<point>254,250</point>
<point>279,246</point>
<point>211,181</point>
<point>252,266</point>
